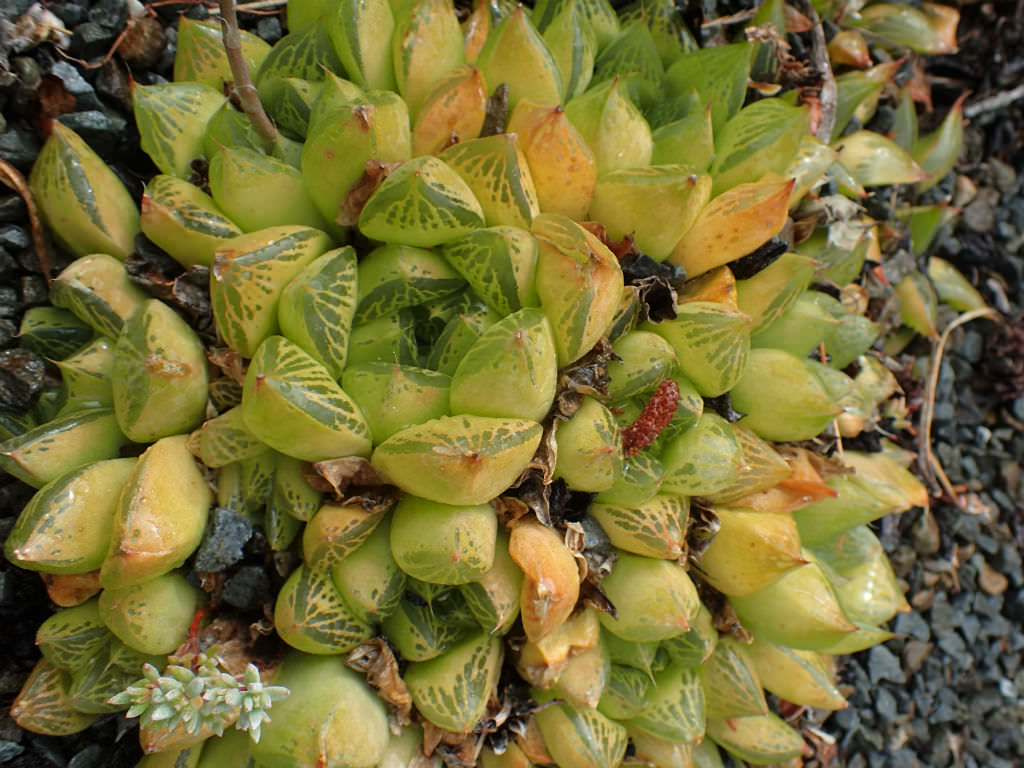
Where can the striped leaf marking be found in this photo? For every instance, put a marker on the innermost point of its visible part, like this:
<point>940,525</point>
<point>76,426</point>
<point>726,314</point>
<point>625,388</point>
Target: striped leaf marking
<point>69,637</point>
<point>93,683</point>
<point>496,171</point>
<point>712,341</point>
<point>357,29</point>
<point>369,579</point>
<point>655,599</point>
<point>391,339</point>
<point>289,101</point>
<point>393,277</point>
<point>625,695</point>
<point>43,705</point>
<point>510,371</point>
<point>260,191</point>
<point>53,333</point>
<point>291,492</point>
<point>458,336</point>
<point>66,526</point>
<point>200,55</point>
<point>458,459</point>
<point>766,296</point>
<point>494,598</point>
<point>224,439</point>
<point>281,527</point>
<point>582,738</point>
<point>285,382</point>
<point>579,281</point>
<point>516,54</point>
<point>655,529</point>
<point>250,272</point>
<point>731,685</point>
<point>184,220</point>
<point>452,690</point>
<point>393,397</point>
<point>499,263</point>
<point>336,531</point>
<point>703,460</point>
<point>426,44</point>
<point>311,616</point>
<point>693,647</point>
<point>573,46</point>
<point>160,375</point>
<point>420,631</point>
<point>97,290</point>
<point>761,138</point>
<point>305,55</point>
<point>171,118</point>
<point>633,55</point>
<point>460,548</point>
<point>85,204</point>
<point>641,478</point>
<point>671,37</point>
<point>86,376</point>
<point>719,74</point>
<point>423,203</point>
<point>48,451</point>
<point>152,617</point>
<point>160,515</point>
<point>759,739</point>
<point>760,468</point>
<point>675,705</point>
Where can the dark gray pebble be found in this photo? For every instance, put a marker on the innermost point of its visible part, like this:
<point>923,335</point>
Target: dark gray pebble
<point>222,544</point>
<point>883,665</point>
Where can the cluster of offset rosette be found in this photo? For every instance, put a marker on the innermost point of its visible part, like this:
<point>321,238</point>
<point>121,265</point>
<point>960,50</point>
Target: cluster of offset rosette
<point>541,484</point>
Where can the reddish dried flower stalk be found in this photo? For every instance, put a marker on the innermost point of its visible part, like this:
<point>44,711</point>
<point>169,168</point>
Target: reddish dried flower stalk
<point>655,416</point>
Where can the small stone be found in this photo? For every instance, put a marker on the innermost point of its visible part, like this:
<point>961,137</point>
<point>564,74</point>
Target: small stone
<point>992,581</point>
<point>247,589</point>
<point>952,643</point>
<point>269,28</point>
<point>1003,175</point>
<point>947,709</point>
<point>144,42</point>
<point>111,14</point>
<point>1008,689</point>
<point>979,216</point>
<point>21,378</point>
<point>91,40</point>
<point>883,665</point>
<point>13,237</point>
<point>100,130</point>
<point>9,750</point>
<point>912,625</point>
<point>926,536</point>
<point>914,654</point>
<point>72,14</point>
<point>76,85</point>
<point>19,148</point>
<point>12,209</point>
<point>222,544</point>
<point>885,705</point>
<point>34,291</point>
<point>942,614</point>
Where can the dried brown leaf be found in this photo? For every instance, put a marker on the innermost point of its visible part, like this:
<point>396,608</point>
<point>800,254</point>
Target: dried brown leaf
<point>373,176</point>
<point>377,662</point>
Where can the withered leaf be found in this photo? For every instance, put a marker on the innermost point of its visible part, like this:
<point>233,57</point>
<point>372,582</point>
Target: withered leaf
<point>376,660</point>
<point>230,363</point>
<point>336,476</point>
<point>373,176</point>
<point>586,376</point>
<point>701,529</point>
<point>747,266</point>
<point>496,112</point>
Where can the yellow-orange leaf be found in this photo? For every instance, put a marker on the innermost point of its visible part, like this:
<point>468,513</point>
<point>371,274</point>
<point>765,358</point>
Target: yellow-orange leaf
<point>734,224</point>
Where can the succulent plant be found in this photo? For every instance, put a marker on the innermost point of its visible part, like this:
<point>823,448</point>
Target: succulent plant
<point>530,432</point>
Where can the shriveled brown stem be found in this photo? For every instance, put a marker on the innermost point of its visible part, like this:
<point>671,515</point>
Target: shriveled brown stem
<point>928,463</point>
<point>12,178</point>
<point>246,91</point>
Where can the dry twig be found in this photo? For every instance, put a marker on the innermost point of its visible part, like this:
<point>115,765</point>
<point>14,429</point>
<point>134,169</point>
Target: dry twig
<point>12,178</point>
<point>929,465</point>
<point>244,87</point>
